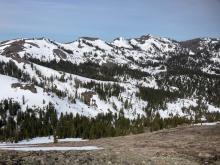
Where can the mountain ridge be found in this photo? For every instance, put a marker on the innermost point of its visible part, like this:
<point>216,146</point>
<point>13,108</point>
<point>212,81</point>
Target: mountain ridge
<point>145,62</point>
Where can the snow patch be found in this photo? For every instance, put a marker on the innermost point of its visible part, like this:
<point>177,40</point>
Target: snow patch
<point>213,123</point>
<point>49,139</point>
<point>31,148</point>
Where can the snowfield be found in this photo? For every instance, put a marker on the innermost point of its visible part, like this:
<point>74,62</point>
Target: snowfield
<point>37,99</point>
<point>49,139</point>
<point>43,140</point>
<point>214,123</point>
<point>31,148</point>
<point>32,145</point>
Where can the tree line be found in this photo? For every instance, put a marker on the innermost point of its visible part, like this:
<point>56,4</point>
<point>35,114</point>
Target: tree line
<point>16,124</point>
<point>105,72</point>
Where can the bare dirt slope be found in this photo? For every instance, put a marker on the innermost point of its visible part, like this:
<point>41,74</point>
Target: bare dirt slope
<point>181,145</point>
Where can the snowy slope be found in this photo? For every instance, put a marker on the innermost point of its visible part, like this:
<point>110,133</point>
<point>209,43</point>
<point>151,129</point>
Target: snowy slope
<point>37,99</point>
<point>147,53</point>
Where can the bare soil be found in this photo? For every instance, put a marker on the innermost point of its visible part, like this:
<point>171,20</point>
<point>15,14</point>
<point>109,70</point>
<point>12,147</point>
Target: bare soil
<point>185,145</point>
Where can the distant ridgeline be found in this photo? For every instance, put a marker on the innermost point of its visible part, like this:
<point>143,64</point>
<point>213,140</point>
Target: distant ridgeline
<point>16,125</point>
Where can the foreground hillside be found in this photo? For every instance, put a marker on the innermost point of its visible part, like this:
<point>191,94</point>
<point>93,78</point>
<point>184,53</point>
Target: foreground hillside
<point>188,145</point>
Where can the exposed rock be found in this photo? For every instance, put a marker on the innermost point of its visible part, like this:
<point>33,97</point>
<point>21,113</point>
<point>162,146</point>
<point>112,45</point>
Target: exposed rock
<point>59,53</point>
<point>87,97</point>
<point>14,47</point>
<point>29,87</point>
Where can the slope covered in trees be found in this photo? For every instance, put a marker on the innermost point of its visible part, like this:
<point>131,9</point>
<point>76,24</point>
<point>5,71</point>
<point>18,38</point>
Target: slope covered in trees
<point>16,125</point>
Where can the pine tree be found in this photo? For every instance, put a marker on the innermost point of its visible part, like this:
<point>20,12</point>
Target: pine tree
<point>23,100</point>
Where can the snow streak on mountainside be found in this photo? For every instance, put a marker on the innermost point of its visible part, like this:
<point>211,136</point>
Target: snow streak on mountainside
<point>91,76</point>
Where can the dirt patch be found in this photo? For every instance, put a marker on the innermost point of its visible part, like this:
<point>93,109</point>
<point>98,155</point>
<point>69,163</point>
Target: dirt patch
<point>29,87</point>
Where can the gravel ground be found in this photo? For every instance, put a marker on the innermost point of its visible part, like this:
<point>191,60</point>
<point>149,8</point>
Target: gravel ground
<point>186,145</point>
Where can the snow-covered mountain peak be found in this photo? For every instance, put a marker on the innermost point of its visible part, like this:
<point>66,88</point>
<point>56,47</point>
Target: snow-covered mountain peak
<point>122,43</point>
<point>89,44</point>
<point>154,45</point>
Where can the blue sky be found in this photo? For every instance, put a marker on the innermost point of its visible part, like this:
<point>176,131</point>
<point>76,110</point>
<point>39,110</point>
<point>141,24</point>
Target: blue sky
<point>66,20</point>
